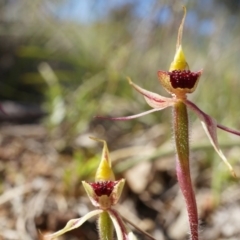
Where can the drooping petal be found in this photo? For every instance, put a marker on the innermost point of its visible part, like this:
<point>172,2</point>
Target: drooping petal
<point>72,224</point>
<point>122,231</point>
<point>210,127</point>
<point>154,100</point>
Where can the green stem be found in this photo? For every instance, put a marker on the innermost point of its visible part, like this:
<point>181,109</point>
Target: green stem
<point>181,136</point>
<point>105,226</point>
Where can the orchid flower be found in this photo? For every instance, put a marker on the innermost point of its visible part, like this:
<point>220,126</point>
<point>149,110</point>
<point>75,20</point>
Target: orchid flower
<point>180,81</point>
<point>103,193</point>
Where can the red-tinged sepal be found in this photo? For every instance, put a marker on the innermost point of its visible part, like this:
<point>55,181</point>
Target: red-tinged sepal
<point>104,194</point>
<point>126,118</point>
<point>154,100</point>
<point>72,224</point>
<point>210,126</point>
<point>122,231</point>
<point>230,130</point>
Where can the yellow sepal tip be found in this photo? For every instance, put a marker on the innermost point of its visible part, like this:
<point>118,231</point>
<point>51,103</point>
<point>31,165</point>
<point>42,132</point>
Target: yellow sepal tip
<point>104,171</point>
<point>179,62</point>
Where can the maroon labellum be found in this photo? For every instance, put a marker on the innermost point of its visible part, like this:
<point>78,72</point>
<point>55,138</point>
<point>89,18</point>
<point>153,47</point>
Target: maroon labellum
<point>183,78</point>
<point>103,187</point>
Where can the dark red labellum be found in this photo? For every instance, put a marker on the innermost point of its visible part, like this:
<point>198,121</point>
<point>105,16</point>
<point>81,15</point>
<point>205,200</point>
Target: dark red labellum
<point>183,79</point>
<point>103,188</point>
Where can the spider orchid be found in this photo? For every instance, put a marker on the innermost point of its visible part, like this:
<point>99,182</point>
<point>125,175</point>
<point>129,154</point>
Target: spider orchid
<point>103,193</point>
<point>180,81</point>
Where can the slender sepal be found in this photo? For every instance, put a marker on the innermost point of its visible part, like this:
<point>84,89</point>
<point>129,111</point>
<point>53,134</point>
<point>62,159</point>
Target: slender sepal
<point>210,126</point>
<point>154,100</point>
<point>122,231</point>
<point>227,129</point>
<point>129,117</point>
<point>179,62</point>
<point>72,224</point>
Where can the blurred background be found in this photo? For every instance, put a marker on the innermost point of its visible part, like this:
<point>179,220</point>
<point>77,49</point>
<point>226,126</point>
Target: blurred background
<point>62,62</point>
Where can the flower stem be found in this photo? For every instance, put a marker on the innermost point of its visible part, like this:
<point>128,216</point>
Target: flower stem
<point>180,126</point>
<point>105,226</point>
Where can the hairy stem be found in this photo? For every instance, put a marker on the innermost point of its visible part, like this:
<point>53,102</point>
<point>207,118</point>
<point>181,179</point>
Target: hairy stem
<point>105,226</point>
<point>180,126</point>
